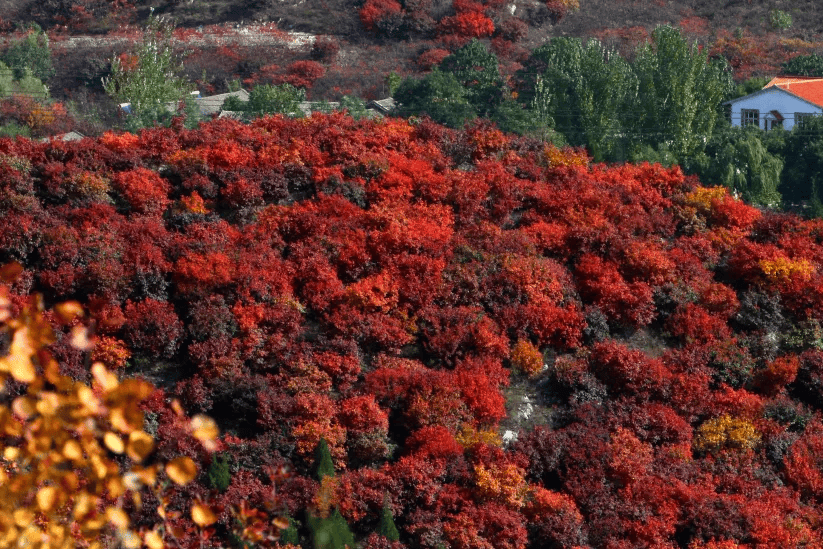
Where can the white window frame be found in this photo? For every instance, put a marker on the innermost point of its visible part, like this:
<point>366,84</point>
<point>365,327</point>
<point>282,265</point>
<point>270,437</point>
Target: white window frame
<point>750,117</point>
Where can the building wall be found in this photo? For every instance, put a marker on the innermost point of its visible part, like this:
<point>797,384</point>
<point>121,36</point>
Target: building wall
<point>769,100</point>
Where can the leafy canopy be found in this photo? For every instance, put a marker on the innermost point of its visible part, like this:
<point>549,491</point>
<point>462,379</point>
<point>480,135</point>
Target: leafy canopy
<point>30,55</point>
<point>438,95</point>
<point>679,90</point>
<point>148,77</point>
<point>804,65</point>
<point>27,84</point>
<point>267,99</point>
<point>738,160</point>
<point>476,68</point>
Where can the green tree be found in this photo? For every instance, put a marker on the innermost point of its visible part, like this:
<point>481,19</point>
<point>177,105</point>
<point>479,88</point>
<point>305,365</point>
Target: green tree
<point>330,533</point>
<point>27,84</point>
<point>583,89</point>
<point>541,106</point>
<point>323,464</point>
<point>290,535</point>
<point>678,93</point>
<point>12,129</point>
<point>32,53</point>
<point>737,159</point>
<point>602,98</point>
<point>780,20</point>
<point>354,106</point>
<point>746,87</point>
<point>219,473</point>
<point>803,174</point>
<point>164,115</point>
<point>393,81</point>
<point>148,77</point>
<point>438,95</point>
<point>659,154</point>
<point>386,528</point>
<point>476,69</point>
<point>804,65</point>
<point>267,99</point>
<point>511,116</point>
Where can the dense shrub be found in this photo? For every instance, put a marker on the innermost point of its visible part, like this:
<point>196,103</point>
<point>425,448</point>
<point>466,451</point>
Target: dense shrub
<point>373,284</point>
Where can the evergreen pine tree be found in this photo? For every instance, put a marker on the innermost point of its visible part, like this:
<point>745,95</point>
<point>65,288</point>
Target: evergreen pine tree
<point>219,474</point>
<point>323,465</point>
<point>387,529</point>
<point>290,535</point>
<point>332,532</point>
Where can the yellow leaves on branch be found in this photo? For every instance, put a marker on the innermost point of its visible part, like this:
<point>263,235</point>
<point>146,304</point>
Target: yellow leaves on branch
<point>328,496</point>
<point>527,358</point>
<point>566,156</point>
<point>702,197</point>
<point>204,429</point>
<point>783,269</point>
<point>181,470</point>
<point>469,435</point>
<point>726,432</point>
<point>58,478</point>
<point>202,515</point>
<point>28,335</point>
<point>506,484</point>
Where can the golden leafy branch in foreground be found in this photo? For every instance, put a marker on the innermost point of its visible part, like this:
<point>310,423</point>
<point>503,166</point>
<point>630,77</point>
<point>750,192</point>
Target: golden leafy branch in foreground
<point>59,482</point>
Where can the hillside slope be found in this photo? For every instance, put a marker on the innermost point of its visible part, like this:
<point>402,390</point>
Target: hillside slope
<point>379,284</point>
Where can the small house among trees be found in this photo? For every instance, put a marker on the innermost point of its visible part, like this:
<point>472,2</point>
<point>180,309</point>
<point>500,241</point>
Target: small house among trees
<point>213,104</point>
<point>783,102</point>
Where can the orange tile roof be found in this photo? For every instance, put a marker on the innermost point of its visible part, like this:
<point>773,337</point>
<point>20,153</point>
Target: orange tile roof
<point>781,80</point>
<point>805,87</point>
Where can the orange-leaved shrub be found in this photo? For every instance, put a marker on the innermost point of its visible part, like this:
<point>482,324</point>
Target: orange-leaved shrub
<point>75,457</point>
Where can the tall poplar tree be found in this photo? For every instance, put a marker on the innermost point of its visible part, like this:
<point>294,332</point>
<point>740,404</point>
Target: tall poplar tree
<point>679,90</point>
<point>582,88</point>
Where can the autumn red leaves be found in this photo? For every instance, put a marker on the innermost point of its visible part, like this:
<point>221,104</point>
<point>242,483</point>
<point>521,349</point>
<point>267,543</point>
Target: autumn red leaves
<point>375,284</point>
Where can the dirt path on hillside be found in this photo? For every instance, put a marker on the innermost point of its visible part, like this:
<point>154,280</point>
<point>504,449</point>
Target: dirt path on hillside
<point>251,35</point>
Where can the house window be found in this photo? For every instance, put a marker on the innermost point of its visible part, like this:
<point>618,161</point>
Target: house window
<point>750,117</point>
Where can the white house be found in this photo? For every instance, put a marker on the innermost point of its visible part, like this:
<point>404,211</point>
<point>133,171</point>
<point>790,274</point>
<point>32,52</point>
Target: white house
<point>782,102</point>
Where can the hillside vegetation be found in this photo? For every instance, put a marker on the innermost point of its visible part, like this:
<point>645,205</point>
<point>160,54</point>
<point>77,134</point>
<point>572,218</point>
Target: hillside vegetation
<point>445,329</point>
<point>362,42</point>
<point>349,301</point>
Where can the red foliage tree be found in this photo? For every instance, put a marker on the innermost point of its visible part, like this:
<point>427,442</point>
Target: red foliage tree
<point>302,74</point>
<point>513,29</point>
<point>152,327</point>
<point>631,371</point>
<point>803,463</point>
<point>693,323</point>
<point>374,11</point>
<point>777,374</point>
<point>144,190</point>
<point>325,48</point>
<point>432,57</point>
<point>466,25</point>
<point>602,284</point>
<point>365,282</point>
<point>433,442</point>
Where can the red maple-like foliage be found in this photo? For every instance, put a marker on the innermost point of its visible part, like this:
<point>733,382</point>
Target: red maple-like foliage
<point>374,10</point>
<point>389,286</point>
<point>432,57</point>
<point>465,25</point>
